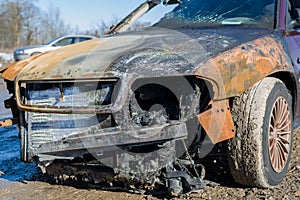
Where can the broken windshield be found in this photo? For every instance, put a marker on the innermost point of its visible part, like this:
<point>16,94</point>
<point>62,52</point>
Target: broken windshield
<point>199,13</point>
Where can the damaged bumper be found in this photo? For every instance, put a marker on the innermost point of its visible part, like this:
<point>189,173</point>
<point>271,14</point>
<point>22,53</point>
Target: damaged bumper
<point>111,139</point>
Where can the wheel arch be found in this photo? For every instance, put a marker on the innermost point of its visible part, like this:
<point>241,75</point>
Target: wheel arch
<point>289,81</point>
<point>183,91</point>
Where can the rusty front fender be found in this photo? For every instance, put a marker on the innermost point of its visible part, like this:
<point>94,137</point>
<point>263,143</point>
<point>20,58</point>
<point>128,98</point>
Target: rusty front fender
<point>234,71</point>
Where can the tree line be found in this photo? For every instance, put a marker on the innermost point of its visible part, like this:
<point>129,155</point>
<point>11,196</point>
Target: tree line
<point>22,23</point>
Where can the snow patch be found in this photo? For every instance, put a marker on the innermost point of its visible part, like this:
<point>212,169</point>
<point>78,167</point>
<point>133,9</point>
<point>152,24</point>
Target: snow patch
<point>6,57</point>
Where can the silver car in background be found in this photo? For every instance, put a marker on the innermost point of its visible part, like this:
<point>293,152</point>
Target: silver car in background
<point>55,43</point>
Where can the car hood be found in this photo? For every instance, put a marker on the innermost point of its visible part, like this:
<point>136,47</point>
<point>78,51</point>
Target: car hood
<point>152,52</point>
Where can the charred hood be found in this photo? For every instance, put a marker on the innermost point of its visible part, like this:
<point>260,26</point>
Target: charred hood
<point>152,52</point>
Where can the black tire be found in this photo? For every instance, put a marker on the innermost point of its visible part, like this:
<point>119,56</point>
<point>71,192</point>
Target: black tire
<point>250,152</point>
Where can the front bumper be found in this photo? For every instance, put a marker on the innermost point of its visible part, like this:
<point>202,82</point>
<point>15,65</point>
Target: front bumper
<point>108,140</point>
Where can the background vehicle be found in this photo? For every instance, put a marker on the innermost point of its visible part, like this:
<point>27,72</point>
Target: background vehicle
<point>143,107</point>
<point>25,52</point>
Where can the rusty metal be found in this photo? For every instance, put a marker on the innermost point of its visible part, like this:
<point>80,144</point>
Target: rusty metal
<point>9,122</point>
<point>6,123</point>
<point>236,70</point>
<point>217,121</point>
<point>13,69</point>
<point>10,71</point>
<point>3,68</point>
<point>71,62</point>
<point>47,60</point>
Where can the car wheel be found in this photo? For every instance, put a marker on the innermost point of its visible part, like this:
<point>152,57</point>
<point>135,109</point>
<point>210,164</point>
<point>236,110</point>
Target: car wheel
<point>259,154</point>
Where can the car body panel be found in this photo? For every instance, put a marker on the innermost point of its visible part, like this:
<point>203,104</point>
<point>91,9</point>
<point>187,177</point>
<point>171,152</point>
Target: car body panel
<point>242,66</point>
<point>10,71</point>
<point>66,62</point>
<point>255,59</point>
<point>13,69</point>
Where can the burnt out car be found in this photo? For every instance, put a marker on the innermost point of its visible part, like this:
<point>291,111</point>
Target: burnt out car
<point>141,107</point>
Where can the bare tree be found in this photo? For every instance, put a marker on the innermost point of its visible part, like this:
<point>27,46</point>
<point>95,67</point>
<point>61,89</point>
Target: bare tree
<point>102,27</point>
<point>23,23</point>
<point>52,25</point>
<point>31,23</point>
<point>11,23</point>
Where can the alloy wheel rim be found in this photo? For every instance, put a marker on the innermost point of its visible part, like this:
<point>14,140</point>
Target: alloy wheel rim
<point>279,134</point>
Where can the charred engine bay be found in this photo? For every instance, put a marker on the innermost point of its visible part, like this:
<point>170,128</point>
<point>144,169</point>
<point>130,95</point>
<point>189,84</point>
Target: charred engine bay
<point>140,167</point>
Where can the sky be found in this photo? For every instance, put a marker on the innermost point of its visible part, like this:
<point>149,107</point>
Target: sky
<point>85,13</point>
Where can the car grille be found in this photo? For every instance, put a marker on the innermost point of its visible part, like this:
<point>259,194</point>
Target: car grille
<point>48,127</point>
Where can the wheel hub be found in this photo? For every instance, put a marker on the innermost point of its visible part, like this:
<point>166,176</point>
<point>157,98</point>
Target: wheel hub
<point>279,134</point>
